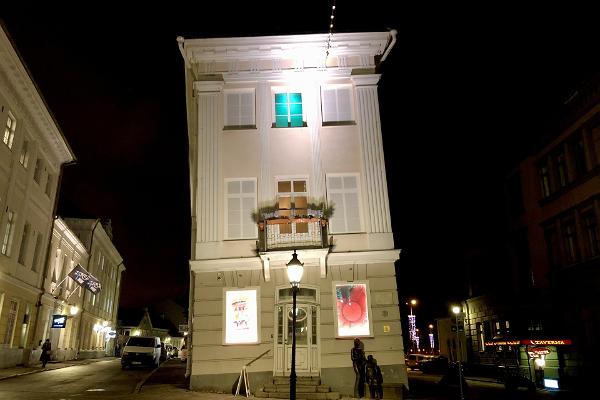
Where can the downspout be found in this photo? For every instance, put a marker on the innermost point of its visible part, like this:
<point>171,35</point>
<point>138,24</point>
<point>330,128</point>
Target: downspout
<point>80,327</point>
<point>188,338</point>
<point>38,305</point>
<point>393,33</point>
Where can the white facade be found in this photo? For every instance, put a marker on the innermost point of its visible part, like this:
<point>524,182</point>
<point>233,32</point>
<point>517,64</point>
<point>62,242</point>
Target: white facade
<point>32,152</point>
<point>278,121</point>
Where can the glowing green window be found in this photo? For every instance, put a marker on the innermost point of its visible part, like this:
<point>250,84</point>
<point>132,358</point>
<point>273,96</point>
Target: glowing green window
<point>288,110</point>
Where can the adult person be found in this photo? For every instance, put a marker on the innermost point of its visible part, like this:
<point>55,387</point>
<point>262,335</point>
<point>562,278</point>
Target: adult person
<point>357,354</point>
<point>374,378</point>
<point>45,356</point>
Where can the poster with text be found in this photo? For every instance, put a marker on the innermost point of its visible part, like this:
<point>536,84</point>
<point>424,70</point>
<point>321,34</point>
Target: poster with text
<point>352,309</point>
<point>241,316</point>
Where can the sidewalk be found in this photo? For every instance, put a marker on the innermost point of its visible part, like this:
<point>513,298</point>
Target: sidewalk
<point>11,372</point>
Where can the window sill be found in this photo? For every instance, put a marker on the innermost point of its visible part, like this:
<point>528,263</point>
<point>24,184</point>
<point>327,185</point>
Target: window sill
<point>239,127</point>
<point>592,173</point>
<point>304,125</point>
<point>338,123</point>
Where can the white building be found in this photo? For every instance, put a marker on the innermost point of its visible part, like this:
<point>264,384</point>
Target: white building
<point>280,128</point>
<point>98,311</point>
<point>32,153</point>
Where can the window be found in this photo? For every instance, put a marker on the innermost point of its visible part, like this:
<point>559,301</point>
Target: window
<point>292,198</point>
<point>36,252</point>
<point>343,194</point>
<point>8,232</point>
<point>480,336</point>
<point>288,110</point>
<point>570,241</point>
<point>242,316</point>
<point>590,232</point>
<point>240,109</point>
<point>544,179</point>
<point>336,104</point>
<point>560,168</point>
<point>13,306</point>
<point>9,130</point>
<point>49,184</point>
<point>578,154</point>
<point>37,172</point>
<point>24,242</point>
<point>353,316</point>
<point>240,201</point>
<point>24,157</point>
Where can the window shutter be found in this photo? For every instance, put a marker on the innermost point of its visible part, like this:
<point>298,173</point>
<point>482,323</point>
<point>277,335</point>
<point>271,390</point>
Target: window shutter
<point>241,200</point>
<point>336,104</point>
<point>337,222</point>
<point>343,192</point>
<point>329,105</point>
<point>246,109</point>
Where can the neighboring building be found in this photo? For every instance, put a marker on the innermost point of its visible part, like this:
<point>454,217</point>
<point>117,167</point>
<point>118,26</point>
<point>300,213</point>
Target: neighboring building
<point>553,255</point>
<point>33,152</point>
<point>147,322</point>
<point>282,128</point>
<point>97,334</point>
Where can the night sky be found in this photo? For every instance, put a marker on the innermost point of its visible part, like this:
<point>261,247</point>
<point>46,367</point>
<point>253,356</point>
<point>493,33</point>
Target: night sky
<point>464,93</point>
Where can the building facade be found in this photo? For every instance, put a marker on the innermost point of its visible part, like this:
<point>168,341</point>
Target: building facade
<point>96,331</point>
<point>32,154</point>
<point>286,155</point>
<point>553,260</point>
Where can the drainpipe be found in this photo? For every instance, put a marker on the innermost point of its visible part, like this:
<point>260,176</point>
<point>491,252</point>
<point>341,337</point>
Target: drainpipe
<point>80,327</point>
<point>393,33</point>
<point>38,305</point>
<point>188,338</point>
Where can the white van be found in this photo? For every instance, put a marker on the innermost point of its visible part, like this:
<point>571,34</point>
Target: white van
<point>141,350</point>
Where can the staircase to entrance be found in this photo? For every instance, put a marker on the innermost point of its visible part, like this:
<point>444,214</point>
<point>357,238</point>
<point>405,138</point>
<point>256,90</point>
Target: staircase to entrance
<point>309,388</point>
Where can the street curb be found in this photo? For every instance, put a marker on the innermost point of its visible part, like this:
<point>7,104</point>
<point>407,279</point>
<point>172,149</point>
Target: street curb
<point>138,387</point>
<point>48,369</point>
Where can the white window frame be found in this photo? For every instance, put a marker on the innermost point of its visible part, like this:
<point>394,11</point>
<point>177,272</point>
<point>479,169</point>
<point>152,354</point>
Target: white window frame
<point>227,196</point>
<point>337,88</point>
<point>11,322</point>
<point>9,130</point>
<point>9,230</point>
<point>335,311</point>
<point>287,89</point>
<point>258,316</point>
<point>226,99</point>
<point>359,194</point>
<point>24,157</point>
<point>280,178</point>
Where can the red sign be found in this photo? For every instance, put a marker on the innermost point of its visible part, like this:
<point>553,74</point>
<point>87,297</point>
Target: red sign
<point>547,342</point>
<point>538,351</point>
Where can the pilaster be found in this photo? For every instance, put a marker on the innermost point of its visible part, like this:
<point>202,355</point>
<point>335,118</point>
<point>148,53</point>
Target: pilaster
<point>373,163</point>
<point>207,95</point>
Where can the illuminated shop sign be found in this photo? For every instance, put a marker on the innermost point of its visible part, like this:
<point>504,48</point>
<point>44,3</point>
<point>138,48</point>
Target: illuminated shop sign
<point>547,342</point>
<point>241,316</point>
<point>59,321</point>
<point>352,306</point>
<point>538,351</point>
<point>531,342</point>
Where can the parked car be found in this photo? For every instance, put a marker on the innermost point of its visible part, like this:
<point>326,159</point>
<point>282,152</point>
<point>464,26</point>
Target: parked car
<point>434,365</point>
<point>141,350</point>
<point>413,361</point>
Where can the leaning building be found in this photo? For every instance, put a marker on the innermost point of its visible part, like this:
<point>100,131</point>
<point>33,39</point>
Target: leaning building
<point>285,154</point>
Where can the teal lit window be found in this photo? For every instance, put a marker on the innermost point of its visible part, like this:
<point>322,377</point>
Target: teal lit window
<point>288,110</point>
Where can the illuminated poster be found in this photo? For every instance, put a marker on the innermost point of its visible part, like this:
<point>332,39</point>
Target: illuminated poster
<point>241,316</point>
<point>352,309</point>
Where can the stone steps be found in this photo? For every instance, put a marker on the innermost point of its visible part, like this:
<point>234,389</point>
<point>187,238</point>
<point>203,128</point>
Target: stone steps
<point>307,388</point>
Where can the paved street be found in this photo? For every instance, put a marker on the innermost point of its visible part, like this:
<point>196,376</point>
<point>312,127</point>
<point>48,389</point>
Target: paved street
<point>104,379</point>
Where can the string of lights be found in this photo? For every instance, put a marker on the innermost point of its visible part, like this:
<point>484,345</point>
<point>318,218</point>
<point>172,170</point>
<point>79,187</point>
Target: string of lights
<point>330,29</point>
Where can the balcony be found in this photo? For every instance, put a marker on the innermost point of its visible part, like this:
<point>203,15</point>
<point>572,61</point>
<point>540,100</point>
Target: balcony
<point>292,233</point>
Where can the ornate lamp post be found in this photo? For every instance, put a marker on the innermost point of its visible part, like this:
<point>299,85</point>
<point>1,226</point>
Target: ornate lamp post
<point>295,269</point>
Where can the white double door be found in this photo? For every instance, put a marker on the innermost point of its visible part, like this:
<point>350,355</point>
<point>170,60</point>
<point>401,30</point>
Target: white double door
<point>307,340</point>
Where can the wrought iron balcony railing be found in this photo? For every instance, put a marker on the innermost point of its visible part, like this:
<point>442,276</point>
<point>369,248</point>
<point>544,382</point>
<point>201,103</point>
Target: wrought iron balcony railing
<point>292,233</point>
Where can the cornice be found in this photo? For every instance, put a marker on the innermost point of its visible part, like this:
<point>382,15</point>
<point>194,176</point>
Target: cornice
<point>24,94</point>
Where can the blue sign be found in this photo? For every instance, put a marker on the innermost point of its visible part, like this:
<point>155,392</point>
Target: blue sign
<point>59,321</point>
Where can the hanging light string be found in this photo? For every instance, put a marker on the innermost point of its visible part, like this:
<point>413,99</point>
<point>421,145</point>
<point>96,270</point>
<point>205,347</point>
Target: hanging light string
<point>330,29</point>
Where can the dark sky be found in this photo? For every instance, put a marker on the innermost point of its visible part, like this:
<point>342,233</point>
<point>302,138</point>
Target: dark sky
<point>464,93</point>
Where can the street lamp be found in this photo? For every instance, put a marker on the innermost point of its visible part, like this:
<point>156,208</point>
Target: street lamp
<point>431,340</point>
<point>412,326</point>
<point>295,269</point>
<point>456,311</point>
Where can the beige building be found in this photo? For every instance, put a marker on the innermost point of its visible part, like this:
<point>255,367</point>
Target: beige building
<point>281,130</point>
<point>32,154</point>
<point>97,333</point>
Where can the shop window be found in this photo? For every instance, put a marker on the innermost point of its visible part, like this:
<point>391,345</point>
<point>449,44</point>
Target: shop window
<point>352,309</point>
<point>241,322</point>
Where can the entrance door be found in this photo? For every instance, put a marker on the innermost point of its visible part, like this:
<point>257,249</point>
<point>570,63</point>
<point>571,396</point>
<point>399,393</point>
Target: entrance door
<point>307,353</point>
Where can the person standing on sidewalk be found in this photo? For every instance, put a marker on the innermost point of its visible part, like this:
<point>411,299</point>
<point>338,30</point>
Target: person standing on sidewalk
<point>45,356</point>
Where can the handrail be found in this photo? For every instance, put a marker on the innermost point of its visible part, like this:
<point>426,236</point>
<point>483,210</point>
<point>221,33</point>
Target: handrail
<point>258,357</point>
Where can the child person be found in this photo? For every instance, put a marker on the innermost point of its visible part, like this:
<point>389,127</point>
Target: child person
<point>374,378</point>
